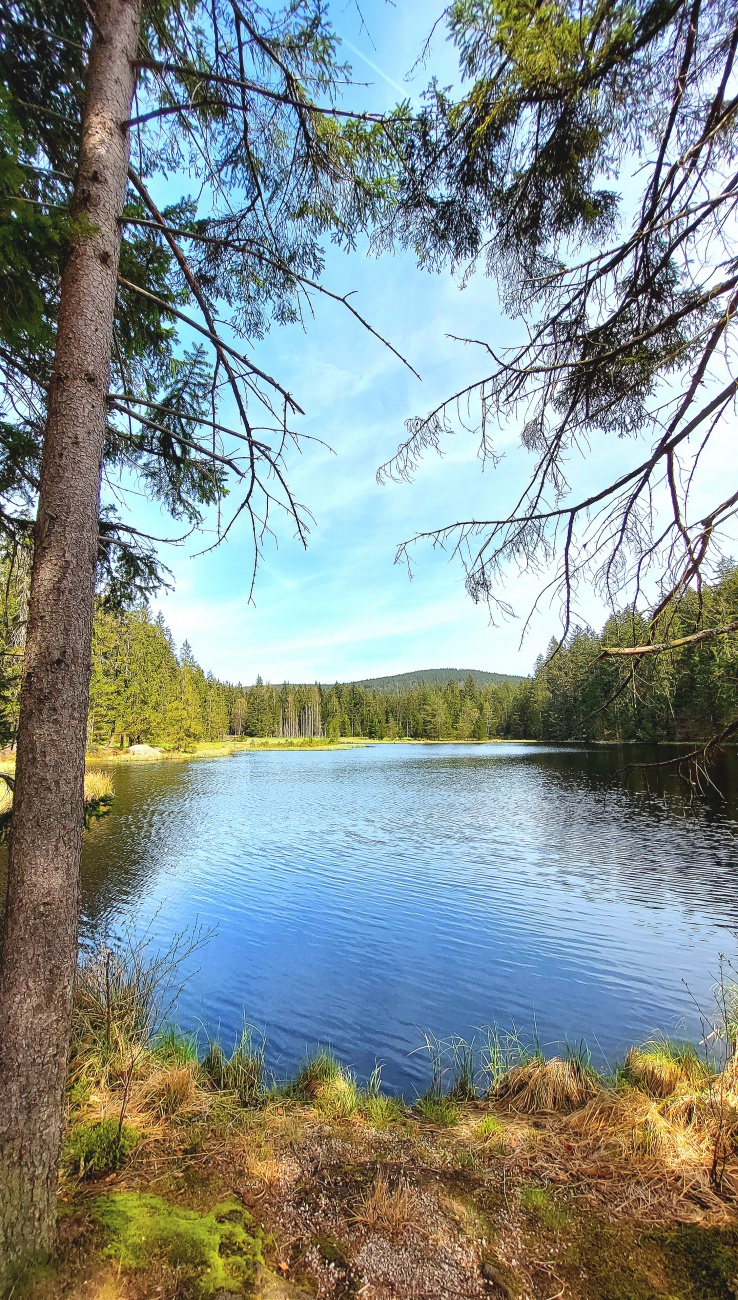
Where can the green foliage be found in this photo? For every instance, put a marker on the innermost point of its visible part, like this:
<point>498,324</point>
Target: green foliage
<point>557,163</point>
<point>142,690</point>
<point>324,1083</point>
<point>660,1066</point>
<point>176,1048</point>
<point>489,1127</point>
<point>400,683</point>
<point>213,1251</point>
<point>91,1150</point>
<point>685,694</point>
<point>270,175</point>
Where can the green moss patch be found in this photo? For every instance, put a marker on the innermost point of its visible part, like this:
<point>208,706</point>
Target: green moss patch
<point>702,1262</point>
<point>91,1150</point>
<point>683,1263</point>
<point>214,1251</point>
<point>542,1202</point>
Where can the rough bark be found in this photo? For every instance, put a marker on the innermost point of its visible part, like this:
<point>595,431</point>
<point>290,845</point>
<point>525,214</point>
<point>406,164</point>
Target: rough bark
<point>40,927</point>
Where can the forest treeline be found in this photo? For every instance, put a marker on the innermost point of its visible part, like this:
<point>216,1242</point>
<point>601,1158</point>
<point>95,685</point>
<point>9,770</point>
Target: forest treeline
<point>144,689</point>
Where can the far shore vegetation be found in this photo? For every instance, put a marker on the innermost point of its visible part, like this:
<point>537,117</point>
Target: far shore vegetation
<point>189,1170</point>
<point>145,692</point>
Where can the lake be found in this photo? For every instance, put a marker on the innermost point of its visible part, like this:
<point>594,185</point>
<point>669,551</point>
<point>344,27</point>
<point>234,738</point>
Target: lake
<point>364,896</point>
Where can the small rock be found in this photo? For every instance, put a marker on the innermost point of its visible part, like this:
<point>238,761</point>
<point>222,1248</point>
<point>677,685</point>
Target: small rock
<point>491,1272</point>
<point>267,1286</point>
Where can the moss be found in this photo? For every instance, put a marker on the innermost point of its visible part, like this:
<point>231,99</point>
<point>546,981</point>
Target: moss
<point>702,1262</point>
<point>606,1264</point>
<point>214,1250</point>
<point>683,1263</point>
<point>94,1149</point>
<point>542,1202</point>
<point>332,1250</point>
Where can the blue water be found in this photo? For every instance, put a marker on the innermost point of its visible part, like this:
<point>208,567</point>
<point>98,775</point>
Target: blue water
<point>364,896</point>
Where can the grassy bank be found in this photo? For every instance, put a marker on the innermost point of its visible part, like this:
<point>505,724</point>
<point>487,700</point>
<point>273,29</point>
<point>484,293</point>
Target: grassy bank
<point>188,1172</point>
<point>211,749</point>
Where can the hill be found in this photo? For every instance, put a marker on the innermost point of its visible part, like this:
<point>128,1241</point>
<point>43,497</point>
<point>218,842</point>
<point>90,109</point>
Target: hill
<point>435,677</point>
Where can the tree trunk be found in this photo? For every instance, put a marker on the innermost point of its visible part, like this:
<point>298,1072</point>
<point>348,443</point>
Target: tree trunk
<point>40,926</point>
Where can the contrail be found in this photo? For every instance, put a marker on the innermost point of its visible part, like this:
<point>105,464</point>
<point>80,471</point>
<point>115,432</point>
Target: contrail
<point>402,90</point>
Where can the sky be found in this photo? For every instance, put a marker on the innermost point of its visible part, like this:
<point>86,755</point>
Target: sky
<point>343,609</point>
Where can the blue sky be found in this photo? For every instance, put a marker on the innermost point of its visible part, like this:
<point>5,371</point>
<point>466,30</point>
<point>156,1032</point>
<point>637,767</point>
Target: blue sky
<point>343,609</point>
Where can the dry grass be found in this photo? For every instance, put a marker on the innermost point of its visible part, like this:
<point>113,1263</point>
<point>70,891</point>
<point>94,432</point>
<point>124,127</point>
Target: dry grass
<point>553,1085</point>
<point>659,1067</point>
<point>387,1209</point>
<point>637,1155</point>
<point>168,1091</point>
<point>98,787</point>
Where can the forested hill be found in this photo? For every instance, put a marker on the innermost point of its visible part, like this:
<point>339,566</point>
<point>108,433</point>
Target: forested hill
<point>435,677</point>
<point>145,688</point>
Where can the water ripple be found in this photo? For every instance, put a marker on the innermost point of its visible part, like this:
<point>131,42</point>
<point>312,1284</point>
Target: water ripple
<point>363,896</point>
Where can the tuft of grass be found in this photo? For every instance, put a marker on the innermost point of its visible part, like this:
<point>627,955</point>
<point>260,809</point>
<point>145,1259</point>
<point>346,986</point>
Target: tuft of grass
<point>386,1208</point>
<point>211,1252</point>
<point>339,1098</point>
<point>122,995</point>
<point>648,1138</point>
<point>242,1072</point>
<point>548,1085</point>
<point>659,1067</point>
<point>99,788</point>
<point>324,1083</point>
<point>168,1091</point>
<point>382,1110</point>
<point>489,1127</point>
<point>91,1150</point>
<point>98,794</point>
<point>438,1109</point>
<point>317,1071</point>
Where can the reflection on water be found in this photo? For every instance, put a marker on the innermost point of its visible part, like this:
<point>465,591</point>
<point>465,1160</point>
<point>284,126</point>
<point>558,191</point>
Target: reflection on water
<point>364,896</point>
